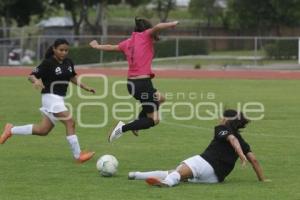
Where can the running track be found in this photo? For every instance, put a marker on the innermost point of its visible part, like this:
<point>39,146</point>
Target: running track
<point>175,73</point>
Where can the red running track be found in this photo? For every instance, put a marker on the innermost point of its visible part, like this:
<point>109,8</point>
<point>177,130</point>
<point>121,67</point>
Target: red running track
<point>175,73</point>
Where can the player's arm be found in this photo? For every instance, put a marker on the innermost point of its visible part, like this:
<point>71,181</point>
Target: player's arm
<point>32,79</point>
<point>104,47</point>
<point>256,166</point>
<point>76,81</point>
<point>162,26</point>
<point>237,147</point>
<point>37,83</point>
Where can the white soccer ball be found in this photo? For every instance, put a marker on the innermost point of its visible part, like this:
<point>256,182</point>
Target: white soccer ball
<point>107,165</point>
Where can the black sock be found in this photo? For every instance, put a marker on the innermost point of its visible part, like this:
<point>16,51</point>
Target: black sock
<point>143,123</point>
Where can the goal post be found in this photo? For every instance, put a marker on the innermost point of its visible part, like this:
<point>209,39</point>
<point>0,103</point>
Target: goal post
<point>299,51</point>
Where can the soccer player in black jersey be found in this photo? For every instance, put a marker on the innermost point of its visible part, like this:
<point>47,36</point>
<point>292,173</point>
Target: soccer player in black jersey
<point>52,76</point>
<point>216,162</point>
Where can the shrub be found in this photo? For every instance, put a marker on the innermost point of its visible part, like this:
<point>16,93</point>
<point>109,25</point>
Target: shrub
<point>167,48</point>
<point>282,49</point>
<point>186,47</point>
<point>85,55</point>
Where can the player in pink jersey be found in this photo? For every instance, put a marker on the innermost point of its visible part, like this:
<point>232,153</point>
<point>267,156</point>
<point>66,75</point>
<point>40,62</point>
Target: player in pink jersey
<point>139,52</point>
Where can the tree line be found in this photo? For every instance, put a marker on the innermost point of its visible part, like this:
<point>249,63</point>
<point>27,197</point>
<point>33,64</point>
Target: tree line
<point>260,16</point>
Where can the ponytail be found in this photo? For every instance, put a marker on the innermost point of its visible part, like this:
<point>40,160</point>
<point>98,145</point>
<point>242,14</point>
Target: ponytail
<point>49,53</point>
<point>142,24</point>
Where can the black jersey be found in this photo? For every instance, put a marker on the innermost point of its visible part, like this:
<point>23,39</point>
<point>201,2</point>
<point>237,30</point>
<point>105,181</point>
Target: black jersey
<point>55,75</point>
<point>220,154</point>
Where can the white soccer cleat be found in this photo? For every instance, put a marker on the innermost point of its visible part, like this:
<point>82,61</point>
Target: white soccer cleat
<point>131,175</point>
<point>117,132</point>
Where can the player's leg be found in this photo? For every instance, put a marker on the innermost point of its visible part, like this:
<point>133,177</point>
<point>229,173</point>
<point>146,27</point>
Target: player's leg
<point>143,91</point>
<point>194,169</point>
<point>203,172</point>
<point>66,118</point>
<point>41,129</point>
<point>182,173</point>
<point>154,116</point>
<point>6,133</point>
<point>142,114</point>
<point>160,97</point>
<point>145,119</point>
<point>150,108</point>
<point>144,175</point>
<point>138,124</point>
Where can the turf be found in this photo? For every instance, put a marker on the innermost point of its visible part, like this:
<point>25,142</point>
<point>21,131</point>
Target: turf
<point>36,168</point>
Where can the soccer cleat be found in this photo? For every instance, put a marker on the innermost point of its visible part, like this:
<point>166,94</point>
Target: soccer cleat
<point>85,156</point>
<point>155,182</point>
<point>6,133</point>
<point>117,132</point>
<point>131,175</point>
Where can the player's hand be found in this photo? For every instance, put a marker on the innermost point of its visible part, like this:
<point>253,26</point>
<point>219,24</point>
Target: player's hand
<point>175,23</point>
<point>92,90</point>
<point>38,84</point>
<point>94,44</point>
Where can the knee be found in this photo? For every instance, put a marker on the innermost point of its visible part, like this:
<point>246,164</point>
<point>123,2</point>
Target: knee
<point>156,121</point>
<point>42,131</point>
<point>162,99</point>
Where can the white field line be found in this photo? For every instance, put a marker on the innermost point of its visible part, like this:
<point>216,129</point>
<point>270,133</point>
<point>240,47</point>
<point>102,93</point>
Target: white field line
<point>209,130</point>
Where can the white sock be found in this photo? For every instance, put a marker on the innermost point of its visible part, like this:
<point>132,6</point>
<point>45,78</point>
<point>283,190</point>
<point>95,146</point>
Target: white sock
<point>22,130</point>
<point>172,179</point>
<point>73,141</point>
<point>145,175</point>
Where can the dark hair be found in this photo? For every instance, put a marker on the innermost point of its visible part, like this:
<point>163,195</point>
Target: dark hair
<point>236,120</point>
<point>56,43</point>
<point>142,24</point>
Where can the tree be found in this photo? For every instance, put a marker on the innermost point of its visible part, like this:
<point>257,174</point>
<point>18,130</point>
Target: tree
<point>20,11</point>
<point>163,8</point>
<point>135,3</point>
<point>264,16</point>
<point>252,14</point>
<point>5,16</point>
<point>205,9</point>
<point>286,14</point>
<point>75,8</point>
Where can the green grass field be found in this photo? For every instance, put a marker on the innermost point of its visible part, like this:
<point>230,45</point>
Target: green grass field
<point>41,168</point>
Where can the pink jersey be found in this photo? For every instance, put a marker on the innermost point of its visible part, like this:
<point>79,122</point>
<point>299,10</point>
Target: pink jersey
<point>139,53</point>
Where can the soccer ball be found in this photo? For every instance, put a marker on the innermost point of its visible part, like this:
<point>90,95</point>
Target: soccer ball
<point>107,165</point>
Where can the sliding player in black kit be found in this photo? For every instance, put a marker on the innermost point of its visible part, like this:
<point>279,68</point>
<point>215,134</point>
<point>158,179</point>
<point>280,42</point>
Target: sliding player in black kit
<point>52,76</point>
<point>215,163</point>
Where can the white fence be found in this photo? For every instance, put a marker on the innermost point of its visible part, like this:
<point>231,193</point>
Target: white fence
<point>171,51</point>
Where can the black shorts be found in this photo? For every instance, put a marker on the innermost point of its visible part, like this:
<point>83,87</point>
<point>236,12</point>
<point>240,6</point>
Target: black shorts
<point>143,90</point>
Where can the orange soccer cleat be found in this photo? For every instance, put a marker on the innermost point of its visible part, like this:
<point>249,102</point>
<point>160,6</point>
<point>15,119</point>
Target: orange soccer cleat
<point>85,156</point>
<point>6,133</point>
<point>155,182</point>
